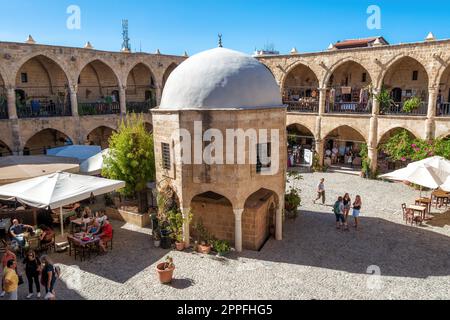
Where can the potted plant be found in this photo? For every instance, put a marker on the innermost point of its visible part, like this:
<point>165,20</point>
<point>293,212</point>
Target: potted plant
<point>411,104</point>
<point>165,270</point>
<point>385,100</point>
<point>176,222</point>
<point>204,238</point>
<point>292,202</point>
<point>157,238</point>
<point>222,247</point>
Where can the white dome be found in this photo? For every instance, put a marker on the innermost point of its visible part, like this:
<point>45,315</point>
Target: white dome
<point>221,79</point>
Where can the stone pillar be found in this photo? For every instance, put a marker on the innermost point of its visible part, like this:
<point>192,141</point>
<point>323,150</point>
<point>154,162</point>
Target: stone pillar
<point>432,105</point>
<point>375,103</point>
<point>238,229</point>
<point>12,110</point>
<point>322,100</point>
<point>279,222</point>
<point>320,152</point>
<point>186,226</point>
<point>123,99</point>
<point>158,96</point>
<point>318,139</point>
<point>74,100</point>
<point>372,143</point>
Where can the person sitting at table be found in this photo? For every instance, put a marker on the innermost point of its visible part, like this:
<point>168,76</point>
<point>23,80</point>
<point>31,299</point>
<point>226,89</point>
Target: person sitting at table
<point>94,228</point>
<point>17,231</point>
<point>105,235</point>
<point>47,235</point>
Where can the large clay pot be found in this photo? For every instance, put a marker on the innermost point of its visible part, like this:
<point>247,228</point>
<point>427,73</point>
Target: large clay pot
<point>180,246</point>
<point>165,276</point>
<point>205,249</point>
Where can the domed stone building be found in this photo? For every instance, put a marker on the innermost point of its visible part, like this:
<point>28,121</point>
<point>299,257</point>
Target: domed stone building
<point>220,143</point>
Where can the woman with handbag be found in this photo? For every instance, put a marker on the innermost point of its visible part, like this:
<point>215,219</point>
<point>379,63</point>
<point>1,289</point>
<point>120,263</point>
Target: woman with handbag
<point>48,277</point>
<point>32,270</point>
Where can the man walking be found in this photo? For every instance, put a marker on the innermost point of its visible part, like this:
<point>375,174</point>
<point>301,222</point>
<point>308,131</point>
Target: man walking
<point>321,191</point>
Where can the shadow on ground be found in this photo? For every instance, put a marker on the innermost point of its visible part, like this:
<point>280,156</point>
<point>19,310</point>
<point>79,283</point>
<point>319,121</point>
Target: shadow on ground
<point>399,250</point>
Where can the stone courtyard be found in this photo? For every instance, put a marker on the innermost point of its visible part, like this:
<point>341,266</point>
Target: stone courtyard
<point>314,261</point>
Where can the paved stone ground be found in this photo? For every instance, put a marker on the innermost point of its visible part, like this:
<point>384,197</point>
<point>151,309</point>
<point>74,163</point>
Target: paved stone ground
<point>315,261</point>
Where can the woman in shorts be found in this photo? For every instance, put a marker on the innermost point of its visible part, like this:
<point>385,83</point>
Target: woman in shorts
<point>357,209</point>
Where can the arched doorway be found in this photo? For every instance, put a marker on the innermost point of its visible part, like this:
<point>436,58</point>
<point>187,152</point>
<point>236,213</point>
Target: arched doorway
<point>98,90</point>
<point>342,148</point>
<point>443,99</point>
<point>148,127</point>
<point>4,150</point>
<point>167,73</point>
<point>385,163</point>
<point>349,89</point>
<point>300,90</point>
<point>45,139</point>
<point>215,213</point>
<point>100,137</point>
<point>141,89</point>
<point>301,146</point>
<point>406,79</point>
<point>3,100</point>
<point>42,89</point>
<point>259,219</point>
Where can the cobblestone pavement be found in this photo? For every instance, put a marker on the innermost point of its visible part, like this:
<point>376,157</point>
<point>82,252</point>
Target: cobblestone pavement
<point>314,261</point>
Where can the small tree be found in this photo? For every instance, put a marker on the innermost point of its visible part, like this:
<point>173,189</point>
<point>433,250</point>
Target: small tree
<point>132,159</point>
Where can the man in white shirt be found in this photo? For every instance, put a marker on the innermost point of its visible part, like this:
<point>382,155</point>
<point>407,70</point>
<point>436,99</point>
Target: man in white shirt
<point>321,191</point>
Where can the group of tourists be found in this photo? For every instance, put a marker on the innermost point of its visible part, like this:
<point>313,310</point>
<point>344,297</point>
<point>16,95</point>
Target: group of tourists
<point>342,207</point>
<point>39,272</point>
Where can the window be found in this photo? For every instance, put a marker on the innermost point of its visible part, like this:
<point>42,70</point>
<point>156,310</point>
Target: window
<point>24,77</point>
<point>265,150</point>
<point>415,76</point>
<point>364,77</point>
<point>165,147</point>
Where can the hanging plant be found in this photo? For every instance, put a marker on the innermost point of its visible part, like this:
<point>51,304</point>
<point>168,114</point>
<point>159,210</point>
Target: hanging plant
<point>412,104</point>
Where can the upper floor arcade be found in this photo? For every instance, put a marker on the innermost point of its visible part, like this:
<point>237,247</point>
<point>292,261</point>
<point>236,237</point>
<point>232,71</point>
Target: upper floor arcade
<point>402,80</point>
<point>39,81</point>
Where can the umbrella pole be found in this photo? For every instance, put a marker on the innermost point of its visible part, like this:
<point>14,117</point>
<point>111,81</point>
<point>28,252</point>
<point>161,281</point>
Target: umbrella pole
<point>61,218</point>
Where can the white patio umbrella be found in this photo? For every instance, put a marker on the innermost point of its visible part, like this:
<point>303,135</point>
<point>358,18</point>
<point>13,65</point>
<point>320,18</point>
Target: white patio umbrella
<point>58,190</point>
<point>80,152</point>
<point>94,165</point>
<point>430,173</point>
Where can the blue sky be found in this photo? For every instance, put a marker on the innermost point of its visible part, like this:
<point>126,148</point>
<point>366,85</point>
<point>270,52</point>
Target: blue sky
<point>174,26</point>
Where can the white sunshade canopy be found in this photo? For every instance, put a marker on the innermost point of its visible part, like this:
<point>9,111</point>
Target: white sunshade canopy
<point>430,173</point>
<point>94,165</point>
<point>80,152</point>
<point>58,189</point>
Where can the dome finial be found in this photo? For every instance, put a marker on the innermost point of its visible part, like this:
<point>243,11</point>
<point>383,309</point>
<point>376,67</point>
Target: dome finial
<point>220,40</point>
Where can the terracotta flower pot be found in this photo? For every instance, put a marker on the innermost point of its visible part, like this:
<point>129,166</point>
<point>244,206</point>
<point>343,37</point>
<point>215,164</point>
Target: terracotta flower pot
<point>165,276</point>
<point>180,246</point>
<point>205,249</point>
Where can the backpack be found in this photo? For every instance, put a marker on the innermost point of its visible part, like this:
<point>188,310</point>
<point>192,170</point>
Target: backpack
<point>336,207</point>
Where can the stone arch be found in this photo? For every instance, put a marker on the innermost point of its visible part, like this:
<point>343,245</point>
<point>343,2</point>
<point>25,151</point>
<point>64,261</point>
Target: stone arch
<point>300,138</point>
<point>97,79</point>
<point>148,127</point>
<point>393,130</point>
<point>100,136</point>
<point>47,138</point>
<point>5,150</point>
<point>343,145</point>
<point>43,87</point>
<point>341,63</point>
<point>443,93</point>
<point>167,73</point>
<point>258,219</point>
<point>215,211</point>
<point>399,73</point>
<point>141,88</point>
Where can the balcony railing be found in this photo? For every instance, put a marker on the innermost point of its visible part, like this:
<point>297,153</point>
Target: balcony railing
<point>443,109</point>
<point>303,106</point>
<point>3,108</point>
<point>98,108</point>
<point>40,109</point>
<point>397,109</point>
<point>140,107</point>
<point>349,107</point>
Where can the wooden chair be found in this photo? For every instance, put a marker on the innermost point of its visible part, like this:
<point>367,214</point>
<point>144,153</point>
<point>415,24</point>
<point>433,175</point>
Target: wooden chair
<point>45,247</point>
<point>408,214</point>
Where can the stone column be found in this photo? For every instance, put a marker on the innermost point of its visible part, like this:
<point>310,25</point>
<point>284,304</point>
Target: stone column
<point>123,99</point>
<point>158,96</point>
<point>375,103</point>
<point>238,229</point>
<point>373,132</point>
<point>322,100</point>
<point>74,100</point>
<point>431,115</point>
<point>279,222</point>
<point>186,226</point>
<point>320,152</point>
<point>12,110</point>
